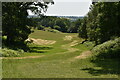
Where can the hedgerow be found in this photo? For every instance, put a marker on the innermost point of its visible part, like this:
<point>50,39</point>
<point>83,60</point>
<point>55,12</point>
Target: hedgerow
<point>109,49</point>
<point>5,52</point>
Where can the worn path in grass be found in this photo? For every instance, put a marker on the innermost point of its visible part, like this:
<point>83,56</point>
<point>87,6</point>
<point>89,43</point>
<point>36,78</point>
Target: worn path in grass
<point>66,58</point>
<point>68,47</point>
<point>28,57</point>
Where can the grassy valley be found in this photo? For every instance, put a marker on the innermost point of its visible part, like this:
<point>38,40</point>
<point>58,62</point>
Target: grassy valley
<point>52,61</point>
<point>40,46</point>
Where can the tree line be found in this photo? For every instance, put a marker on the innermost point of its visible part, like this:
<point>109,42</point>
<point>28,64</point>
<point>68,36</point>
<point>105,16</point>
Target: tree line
<point>58,23</point>
<point>15,24</point>
<point>101,23</point>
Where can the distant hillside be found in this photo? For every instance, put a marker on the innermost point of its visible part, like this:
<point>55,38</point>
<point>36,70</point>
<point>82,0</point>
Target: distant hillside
<point>33,16</point>
<point>72,18</point>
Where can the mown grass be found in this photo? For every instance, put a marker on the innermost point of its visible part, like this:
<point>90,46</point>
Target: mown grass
<point>58,37</point>
<point>50,67</point>
<point>56,62</point>
<point>38,34</point>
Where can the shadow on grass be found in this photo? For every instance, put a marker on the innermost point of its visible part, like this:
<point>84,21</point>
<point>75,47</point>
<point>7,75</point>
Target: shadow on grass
<point>39,49</point>
<point>36,51</point>
<point>105,64</point>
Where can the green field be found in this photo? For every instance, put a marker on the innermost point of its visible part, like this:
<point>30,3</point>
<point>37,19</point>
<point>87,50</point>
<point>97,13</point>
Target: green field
<point>54,61</point>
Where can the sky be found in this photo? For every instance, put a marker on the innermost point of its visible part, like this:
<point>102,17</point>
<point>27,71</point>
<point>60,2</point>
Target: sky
<point>68,8</point>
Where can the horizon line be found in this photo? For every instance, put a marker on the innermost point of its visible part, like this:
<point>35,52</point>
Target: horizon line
<point>59,15</point>
<point>62,15</point>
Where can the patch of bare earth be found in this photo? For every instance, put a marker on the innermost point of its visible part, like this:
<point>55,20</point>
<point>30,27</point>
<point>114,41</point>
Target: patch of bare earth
<point>84,55</point>
<point>41,41</point>
<point>68,38</point>
<point>75,42</point>
<point>69,47</point>
<point>27,57</point>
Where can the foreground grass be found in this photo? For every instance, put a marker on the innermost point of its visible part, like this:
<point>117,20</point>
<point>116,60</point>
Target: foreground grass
<point>49,67</point>
<point>57,61</point>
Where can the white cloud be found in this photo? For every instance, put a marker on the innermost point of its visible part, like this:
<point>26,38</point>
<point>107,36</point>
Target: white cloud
<point>72,0</point>
<point>69,8</point>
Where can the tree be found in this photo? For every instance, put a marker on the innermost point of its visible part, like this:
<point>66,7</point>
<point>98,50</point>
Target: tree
<point>76,25</point>
<point>60,22</point>
<point>57,27</point>
<point>82,29</point>
<point>102,22</point>
<point>15,21</point>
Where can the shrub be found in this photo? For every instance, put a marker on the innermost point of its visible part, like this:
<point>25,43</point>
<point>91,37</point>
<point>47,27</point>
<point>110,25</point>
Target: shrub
<point>56,31</point>
<point>89,44</point>
<point>51,30</point>
<point>109,49</point>
<point>57,27</point>
<point>40,27</point>
<point>5,52</point>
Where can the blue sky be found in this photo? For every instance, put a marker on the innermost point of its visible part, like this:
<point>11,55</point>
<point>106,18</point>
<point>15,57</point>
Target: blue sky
<point>68,8</point>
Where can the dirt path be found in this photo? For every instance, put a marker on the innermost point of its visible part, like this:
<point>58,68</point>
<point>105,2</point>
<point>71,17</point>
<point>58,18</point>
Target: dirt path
<point>27,57</point>
<point>41,41</point>
<point>67,38</point>
<point>69,48</point>
<point>83,55</point>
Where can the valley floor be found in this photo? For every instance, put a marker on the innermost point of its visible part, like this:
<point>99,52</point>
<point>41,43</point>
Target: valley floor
<point>65,58</point>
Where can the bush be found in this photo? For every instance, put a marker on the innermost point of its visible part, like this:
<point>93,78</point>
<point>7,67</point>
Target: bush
<point>40,27</point>
<point>51,30</point>
<point>109,49</point>
<point>57,27</point>
<point>56,31</point>
<point>10,53</point>
<point>89,44</point>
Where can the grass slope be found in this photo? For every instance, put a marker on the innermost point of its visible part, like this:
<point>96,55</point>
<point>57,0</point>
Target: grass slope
<point>57,60</point>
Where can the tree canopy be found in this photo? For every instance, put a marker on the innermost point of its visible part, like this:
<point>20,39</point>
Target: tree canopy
<point>102,22</point>
<point>15,21</point>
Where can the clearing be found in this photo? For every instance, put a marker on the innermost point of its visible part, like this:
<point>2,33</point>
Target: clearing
<point>56,55</point>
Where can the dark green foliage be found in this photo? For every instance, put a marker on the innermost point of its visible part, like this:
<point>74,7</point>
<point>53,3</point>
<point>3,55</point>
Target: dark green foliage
<point>46,21</point>
<point>56,27</point>
<point>77,23</point>
<point>40,27</point>
<point>10,53</point>
<point>82,28</point>
<point>101,23</point>
<point>74,26</point>
<point>61,24</point>
<point>103,27</point>
<point>106,58</point>
<point>109,49</point>
<point>15,22</point>
<point>13,28</point>
<point>89,44</point>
